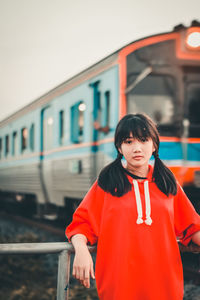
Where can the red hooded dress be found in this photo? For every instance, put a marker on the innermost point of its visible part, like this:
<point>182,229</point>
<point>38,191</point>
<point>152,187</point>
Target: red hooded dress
<point>137,253</point>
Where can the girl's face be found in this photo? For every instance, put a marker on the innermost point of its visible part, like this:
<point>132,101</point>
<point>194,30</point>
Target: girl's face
<point>137,153</point>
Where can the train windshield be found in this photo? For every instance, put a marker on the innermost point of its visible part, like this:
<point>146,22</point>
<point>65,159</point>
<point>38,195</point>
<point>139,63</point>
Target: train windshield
<point>154,96</point>
<point>155,93</point>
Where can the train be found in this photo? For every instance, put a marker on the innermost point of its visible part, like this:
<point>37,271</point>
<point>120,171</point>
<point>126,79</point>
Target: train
<point>52,150</point>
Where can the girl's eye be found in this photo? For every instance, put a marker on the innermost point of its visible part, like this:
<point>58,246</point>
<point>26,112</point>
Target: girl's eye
<point>144,140</point>
<point>128,141</point>
<point>141,139</point>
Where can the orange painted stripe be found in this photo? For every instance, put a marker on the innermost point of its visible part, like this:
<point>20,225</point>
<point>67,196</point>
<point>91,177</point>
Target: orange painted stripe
<point>184,175</point>
<point>75,146</point>
<point>169,139</point>
<point>62,148</point>
<point>193,140</point>
<point>176,139</point>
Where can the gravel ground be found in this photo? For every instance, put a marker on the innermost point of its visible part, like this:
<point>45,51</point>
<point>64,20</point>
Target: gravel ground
<point>34,277</point>
<point>192,292</point>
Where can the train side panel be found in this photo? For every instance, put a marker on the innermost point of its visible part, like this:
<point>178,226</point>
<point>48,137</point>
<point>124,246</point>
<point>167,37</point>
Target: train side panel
<point>70,169</point>
<point>20,166</point>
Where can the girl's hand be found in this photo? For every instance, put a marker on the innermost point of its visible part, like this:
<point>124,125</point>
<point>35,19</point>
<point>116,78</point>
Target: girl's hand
<point>196,238</point>
<point>83,266</point>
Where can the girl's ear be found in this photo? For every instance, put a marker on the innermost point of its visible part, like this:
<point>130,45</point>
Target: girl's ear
<point>154,148</point>
<point>120,151</point>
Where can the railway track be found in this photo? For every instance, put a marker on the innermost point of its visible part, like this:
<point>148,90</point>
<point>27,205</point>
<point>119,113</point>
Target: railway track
<point>36,223</point>
<point>192,275</point>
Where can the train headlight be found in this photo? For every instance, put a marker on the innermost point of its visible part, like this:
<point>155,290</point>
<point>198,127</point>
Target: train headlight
<point>188,42</point>
<point>193,40</point>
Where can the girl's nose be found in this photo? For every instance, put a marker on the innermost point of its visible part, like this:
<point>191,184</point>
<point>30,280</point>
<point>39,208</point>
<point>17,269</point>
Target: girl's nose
<point>137,146</point>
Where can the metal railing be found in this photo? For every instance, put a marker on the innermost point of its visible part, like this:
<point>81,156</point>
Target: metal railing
<point>64,251</point>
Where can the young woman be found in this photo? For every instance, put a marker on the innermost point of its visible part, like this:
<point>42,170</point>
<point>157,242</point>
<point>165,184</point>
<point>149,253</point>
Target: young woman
<point>135,213</point>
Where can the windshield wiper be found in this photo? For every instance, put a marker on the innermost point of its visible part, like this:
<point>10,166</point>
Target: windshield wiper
<point>139,78</point>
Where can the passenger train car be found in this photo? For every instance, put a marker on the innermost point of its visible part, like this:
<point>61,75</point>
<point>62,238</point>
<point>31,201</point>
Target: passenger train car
<point>52,150</point>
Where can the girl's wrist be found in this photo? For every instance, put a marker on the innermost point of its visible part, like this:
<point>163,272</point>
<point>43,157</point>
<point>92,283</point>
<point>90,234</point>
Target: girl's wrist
<point>79,242</point>
<point>80,248</point>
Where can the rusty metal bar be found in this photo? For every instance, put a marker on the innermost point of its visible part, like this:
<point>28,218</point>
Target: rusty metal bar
<point>63,275</point>
<point>32,248</point>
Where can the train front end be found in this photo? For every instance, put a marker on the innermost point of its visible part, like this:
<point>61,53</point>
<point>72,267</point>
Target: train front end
<point>160,76</point>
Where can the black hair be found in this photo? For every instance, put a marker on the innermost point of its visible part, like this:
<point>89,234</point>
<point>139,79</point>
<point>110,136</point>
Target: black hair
<point>114,180</point>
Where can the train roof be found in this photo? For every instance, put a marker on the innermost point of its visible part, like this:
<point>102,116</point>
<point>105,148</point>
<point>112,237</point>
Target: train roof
<point>71,82</point>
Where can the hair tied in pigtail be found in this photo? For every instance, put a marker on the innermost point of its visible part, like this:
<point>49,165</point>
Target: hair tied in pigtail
<point>119,156</point>
<point>155,154</point>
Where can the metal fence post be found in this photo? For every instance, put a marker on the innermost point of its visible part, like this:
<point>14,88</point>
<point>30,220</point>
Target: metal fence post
<point>63,275</point>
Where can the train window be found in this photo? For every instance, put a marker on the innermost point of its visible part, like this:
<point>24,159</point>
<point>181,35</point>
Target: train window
<point>6,145</point>
<point>14,143</point>
<point>155,95</point>
<point>101,109</point>
<point>77,122</point>
<point>0,148</point>
<point>24,138</point>
<point>32,134</point>
<point>96,101</point>
<point>61,127</point>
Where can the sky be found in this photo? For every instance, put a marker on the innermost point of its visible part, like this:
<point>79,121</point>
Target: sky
<point>45,42</point>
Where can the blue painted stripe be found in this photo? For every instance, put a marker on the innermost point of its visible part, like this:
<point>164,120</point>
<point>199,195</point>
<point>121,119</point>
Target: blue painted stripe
<point>168,151</point>
<point>20,162</point>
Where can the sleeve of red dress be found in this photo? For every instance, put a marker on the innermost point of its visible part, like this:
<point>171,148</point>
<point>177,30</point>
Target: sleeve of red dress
<point>87,217</point>
<point>186,219</point>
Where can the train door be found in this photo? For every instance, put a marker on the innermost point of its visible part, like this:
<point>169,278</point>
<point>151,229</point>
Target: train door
<point>46,145</point>
<point>47,130</point>
<point>101,150</point>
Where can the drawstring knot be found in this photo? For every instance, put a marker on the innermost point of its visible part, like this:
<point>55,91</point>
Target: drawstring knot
<point>148,221</point>
<point>139,220</point>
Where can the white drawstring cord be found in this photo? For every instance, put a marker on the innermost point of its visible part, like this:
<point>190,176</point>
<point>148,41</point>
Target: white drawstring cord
<point>138,202</point>
<point>148,220</point>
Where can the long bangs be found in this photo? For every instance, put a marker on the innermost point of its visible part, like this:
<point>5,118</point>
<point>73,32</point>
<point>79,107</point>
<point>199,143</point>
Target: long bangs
<point>135,125</point>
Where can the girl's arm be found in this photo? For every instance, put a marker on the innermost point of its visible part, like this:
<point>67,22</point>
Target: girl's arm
<point>83,263</point>
<point>186,219</point>
<point>196,238</point>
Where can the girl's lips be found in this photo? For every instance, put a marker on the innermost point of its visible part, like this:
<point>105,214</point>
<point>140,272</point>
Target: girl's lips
<point>137,157</point>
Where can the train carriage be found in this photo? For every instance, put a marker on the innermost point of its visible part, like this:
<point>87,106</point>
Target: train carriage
<point>52,150</point>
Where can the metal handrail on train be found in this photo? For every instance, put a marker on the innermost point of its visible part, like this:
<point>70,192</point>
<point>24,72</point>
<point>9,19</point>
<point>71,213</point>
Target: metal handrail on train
<point>64,250</point>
